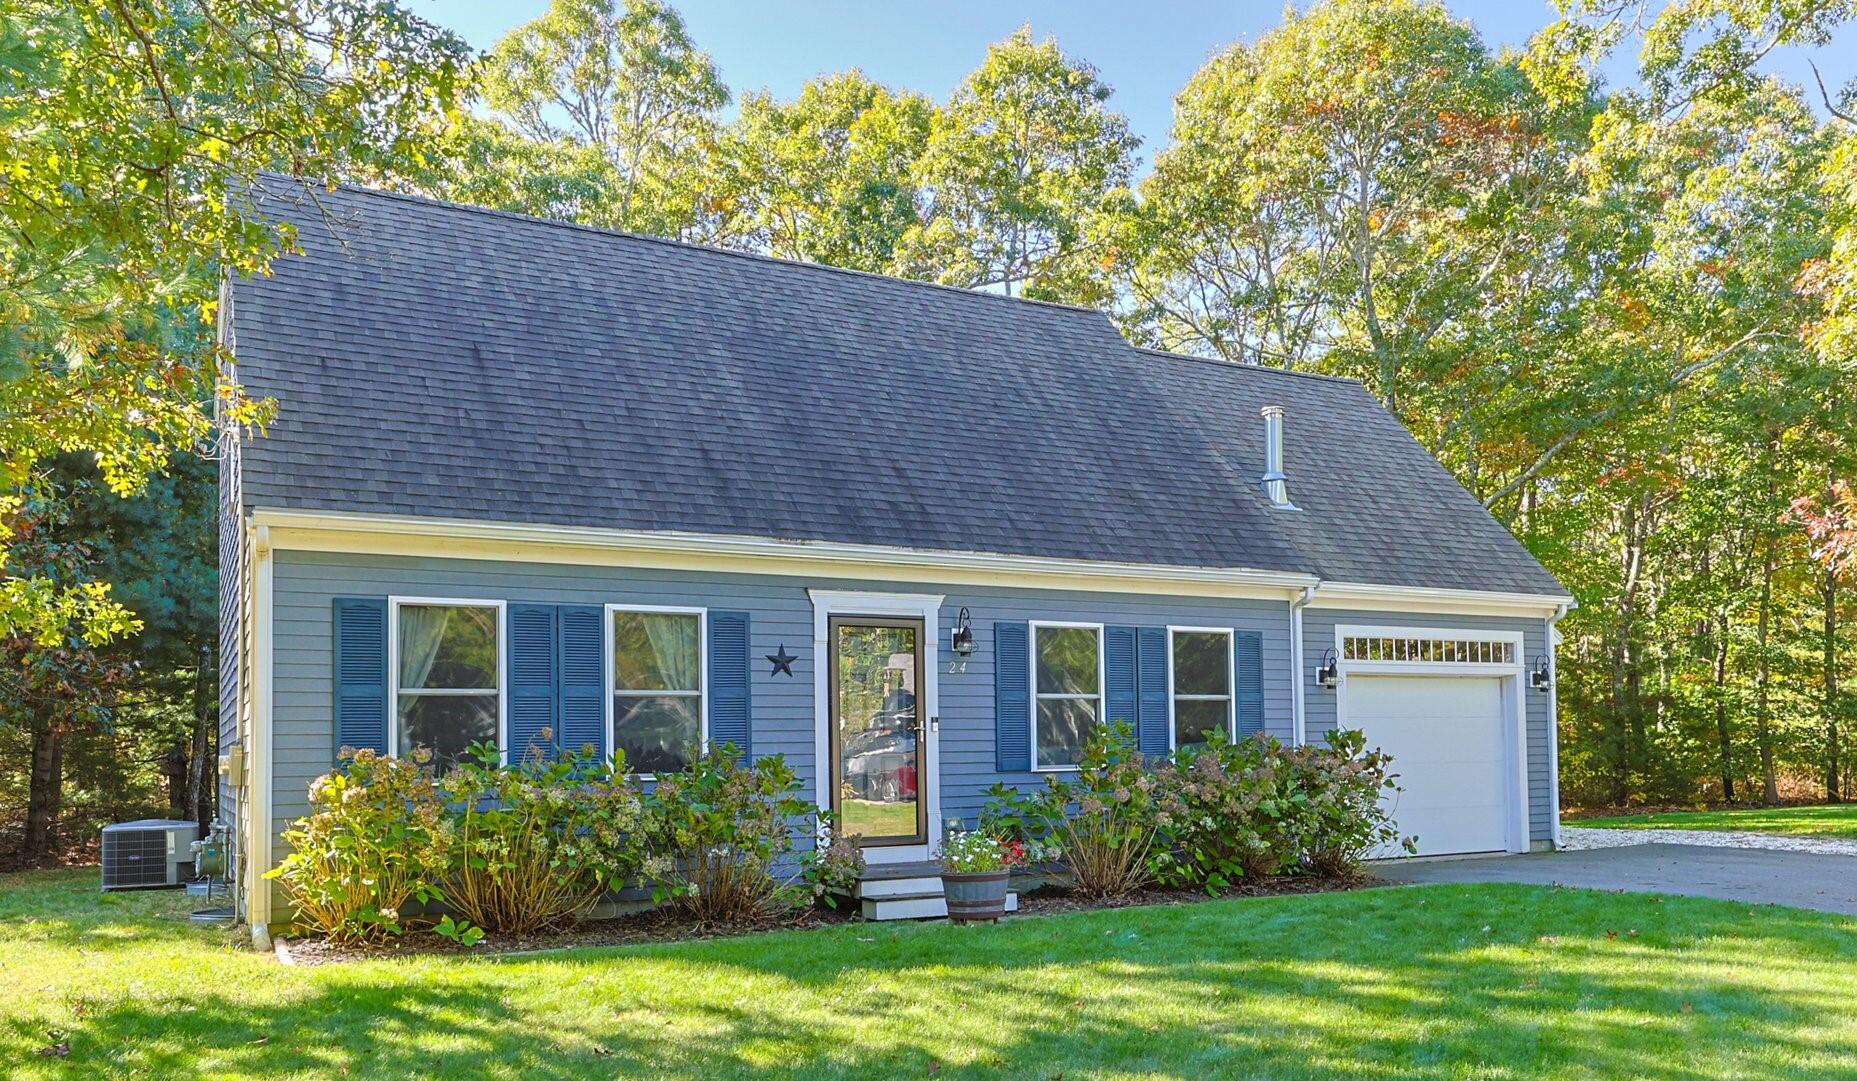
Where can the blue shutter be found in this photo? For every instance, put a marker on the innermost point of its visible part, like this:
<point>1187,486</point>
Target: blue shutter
<point>1154,692</point>
<point>580,639</point>
<point>532,682</point>
<point>361,673</point>
<point>1119,676</point>
<point>730,704</point>
<point>1012,697</point>
<point>1249,646</point>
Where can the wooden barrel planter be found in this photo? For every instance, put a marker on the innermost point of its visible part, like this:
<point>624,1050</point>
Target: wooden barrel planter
<point>973,898</point>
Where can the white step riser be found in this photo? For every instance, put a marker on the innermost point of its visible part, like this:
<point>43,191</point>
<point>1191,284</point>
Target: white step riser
<point>917,908</point>
<point>897,887</point>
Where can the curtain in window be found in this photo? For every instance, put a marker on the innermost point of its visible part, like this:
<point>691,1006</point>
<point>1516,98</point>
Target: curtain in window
<point>655,651</point>
<point>422,629</point>
<point>673,642</point>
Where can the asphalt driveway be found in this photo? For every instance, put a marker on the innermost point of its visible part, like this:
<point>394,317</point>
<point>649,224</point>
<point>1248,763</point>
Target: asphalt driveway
<point>1758,876</point>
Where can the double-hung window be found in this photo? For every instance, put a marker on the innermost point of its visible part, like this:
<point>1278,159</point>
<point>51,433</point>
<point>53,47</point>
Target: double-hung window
<point>1201,666</point>
<point>448,677</point>
<point>1067,680</point>
<point>657,692</point>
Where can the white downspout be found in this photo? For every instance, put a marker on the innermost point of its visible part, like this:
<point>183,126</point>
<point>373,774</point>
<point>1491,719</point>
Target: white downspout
<point>1299,729</point>
<point>1553,649</point>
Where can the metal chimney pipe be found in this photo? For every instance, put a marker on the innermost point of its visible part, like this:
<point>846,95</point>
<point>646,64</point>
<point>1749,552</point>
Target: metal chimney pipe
<point>1276,483</point>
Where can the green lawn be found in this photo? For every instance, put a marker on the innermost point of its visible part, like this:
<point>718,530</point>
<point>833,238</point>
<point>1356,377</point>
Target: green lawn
<point>1431,982</point>
<point>1836,820</point>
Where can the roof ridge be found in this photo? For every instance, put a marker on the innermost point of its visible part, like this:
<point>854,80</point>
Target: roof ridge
<point>1325,377</point>
<point>774,260</point>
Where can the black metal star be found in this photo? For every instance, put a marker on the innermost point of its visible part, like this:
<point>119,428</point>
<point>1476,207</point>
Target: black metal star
<point>783,661</point>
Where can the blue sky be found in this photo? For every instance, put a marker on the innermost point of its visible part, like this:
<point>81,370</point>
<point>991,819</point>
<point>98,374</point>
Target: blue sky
<point>1146,52</point>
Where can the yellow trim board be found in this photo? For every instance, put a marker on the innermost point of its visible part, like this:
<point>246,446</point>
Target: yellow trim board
<point>370,534</point>
<point>442,538</point>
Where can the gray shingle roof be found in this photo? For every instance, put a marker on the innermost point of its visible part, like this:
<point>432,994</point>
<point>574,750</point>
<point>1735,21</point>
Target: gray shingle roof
<point>452,362</point>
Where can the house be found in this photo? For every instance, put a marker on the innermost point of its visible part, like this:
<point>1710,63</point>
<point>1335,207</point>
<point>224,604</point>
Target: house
<point>530,478</point>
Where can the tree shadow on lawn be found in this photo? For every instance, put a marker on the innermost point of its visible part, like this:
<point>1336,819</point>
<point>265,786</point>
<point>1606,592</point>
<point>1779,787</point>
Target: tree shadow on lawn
<point>1412,983</point>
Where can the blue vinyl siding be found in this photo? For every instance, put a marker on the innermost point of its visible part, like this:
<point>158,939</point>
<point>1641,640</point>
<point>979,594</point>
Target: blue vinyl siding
<point>780,613</point>
<point>1319,702</point>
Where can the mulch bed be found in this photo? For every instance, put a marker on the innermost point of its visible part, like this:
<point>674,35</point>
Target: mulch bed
<point>664,925</point>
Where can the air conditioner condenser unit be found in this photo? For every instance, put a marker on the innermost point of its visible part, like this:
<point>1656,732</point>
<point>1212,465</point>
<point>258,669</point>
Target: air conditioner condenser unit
<point>149,853</point>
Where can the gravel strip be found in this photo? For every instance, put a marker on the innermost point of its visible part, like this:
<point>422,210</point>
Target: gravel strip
<point>1577,839</point>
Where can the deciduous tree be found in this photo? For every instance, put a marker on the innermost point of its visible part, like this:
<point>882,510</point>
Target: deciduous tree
<point>1024,154</point>
<point>625,80</point>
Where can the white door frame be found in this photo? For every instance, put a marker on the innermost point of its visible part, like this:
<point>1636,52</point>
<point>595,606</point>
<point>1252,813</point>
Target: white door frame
<point>1515,727</point>
<point>827,603</point>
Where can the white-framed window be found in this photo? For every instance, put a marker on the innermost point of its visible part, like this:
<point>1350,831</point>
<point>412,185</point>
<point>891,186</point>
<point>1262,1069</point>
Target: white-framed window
<point>1200,684</point>
<point>447,665</point>
<point>1427,650</point>
<point>1067,691</point>
<point>657,675</point>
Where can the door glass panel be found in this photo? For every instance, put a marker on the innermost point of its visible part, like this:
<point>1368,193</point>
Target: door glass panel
<point>878,733</point>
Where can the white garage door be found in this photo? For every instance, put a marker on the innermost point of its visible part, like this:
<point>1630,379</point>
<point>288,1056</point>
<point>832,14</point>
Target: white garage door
<point>1445,734</point>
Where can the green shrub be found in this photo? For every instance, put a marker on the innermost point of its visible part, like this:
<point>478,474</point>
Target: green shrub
<point>718,830</point>
<point>1340,820</point>
<point>832,867</point>
<point>1104,824</point>
<point>371,843</point>
<point>1230,811</point>
<point>535,843</point>
<point>1208,819</point>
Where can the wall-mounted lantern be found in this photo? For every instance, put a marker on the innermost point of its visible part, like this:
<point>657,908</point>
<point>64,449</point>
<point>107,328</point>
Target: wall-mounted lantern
<point>1328,673</point>
<point>1541,678</point>
<point>963,636</point>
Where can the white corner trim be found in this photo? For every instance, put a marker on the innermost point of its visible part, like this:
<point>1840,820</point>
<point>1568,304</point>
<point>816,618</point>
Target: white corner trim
<point>827,603</point>
<point>261,775</point>
<point>1553,732</point>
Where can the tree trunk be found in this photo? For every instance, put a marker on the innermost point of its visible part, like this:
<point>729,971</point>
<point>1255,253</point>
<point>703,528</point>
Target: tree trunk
<point>45,794</point>
<point>201,779</point>
<point>1721,709</point>
<point>1763,727</point>
<point>174,766</point>
<point>1833,752</point>
<point>1624,721</point>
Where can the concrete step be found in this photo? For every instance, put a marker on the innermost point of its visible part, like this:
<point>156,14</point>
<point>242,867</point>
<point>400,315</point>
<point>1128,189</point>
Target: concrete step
<point>918,906</point>
<point>898,887</point>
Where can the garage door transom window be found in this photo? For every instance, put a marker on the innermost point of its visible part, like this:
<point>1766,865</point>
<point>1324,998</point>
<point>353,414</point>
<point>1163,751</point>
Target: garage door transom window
<point>1428,650</point>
